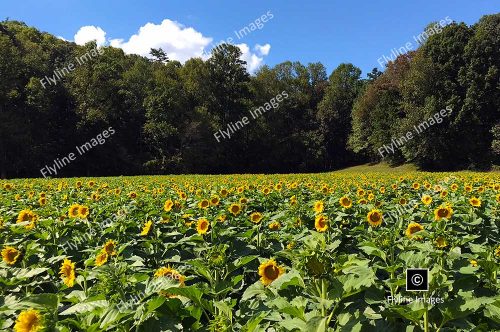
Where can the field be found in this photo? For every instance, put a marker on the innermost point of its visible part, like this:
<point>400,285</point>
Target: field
<point>312,252</point>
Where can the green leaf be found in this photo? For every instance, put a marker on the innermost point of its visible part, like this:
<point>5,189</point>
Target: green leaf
<point>85,307</point>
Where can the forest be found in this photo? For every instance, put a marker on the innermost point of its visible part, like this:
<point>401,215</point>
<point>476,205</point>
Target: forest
<point>56,95</point>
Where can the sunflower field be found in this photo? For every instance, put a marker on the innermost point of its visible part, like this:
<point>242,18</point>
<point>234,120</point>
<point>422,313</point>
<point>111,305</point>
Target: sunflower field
<point>311,252</point>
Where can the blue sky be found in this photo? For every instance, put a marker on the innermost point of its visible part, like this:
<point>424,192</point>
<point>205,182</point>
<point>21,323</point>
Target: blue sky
<point>331,32</point>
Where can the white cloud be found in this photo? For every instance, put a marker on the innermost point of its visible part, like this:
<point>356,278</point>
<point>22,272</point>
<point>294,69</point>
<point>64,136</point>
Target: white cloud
<point>179,42</point>
<point>263,49</point>
<point>253,60</point>
<point>90,33</point>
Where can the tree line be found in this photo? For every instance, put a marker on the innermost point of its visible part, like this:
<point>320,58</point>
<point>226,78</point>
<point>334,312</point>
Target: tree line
<point>165,113</point>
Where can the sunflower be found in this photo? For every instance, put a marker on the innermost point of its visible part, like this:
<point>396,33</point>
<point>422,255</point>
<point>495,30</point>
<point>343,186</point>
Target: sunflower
<point>202,226</point>
<point>498,198</point>
<point>203,204</point>
<point>109,248</point>
<point>454,187</point>
<point>443,194</point>
<point>171,273</point>
<point>73,210</point>
<point>101,258</point>
<point>371,196</point>
<point>475,202</point>
<point>360,192</point>
<point>146,228</point>
<point>214,200</point>
<point>345,202</point>
<point>132,195</point>
<point>441,242</point>
<point>270,271</point>
<point>374,218</point>
<point>415,185</point>
<point>426,199</point>
<point>29,321</point>
<point>444,211</point>
<point>10,255</point>
<point>256,217</point>
<point>67,272</point>
<point>222,218</point>
<point>362,201</point>
<point>319,206</point>
<point>275,226</point>
<point>473,263</point>
<point>321,223</point>
<point>224,192</point>
<point>413,228</point>
<point>235,209</point>
<point>83,212</point>
<point>293,200</point>
<point>168,205</point>
<point>42,200</point>
<point>403,201</point>
<point>497,251</point>
<point>29,217</point>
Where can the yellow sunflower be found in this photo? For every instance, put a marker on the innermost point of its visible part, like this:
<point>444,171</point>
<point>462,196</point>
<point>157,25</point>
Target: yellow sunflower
<point>374,218</point>
<point>168,205</point>
<point>345,202</point>
<point>28,217</point>
<point>256,217</point>
<point>67,272</point>
<point>426,199</point>
<point>214,200</point>
<point>101,258</point>
<point>413,228</point>
<point>321,223</point>
<point>10,255</point>
<point>235,209</point>
<point>203,204</point>
<point>293,200</point>
<point>443,211</point>
<point>29,321</point>
<point>475,202</point>
<point>473,263</point>
<point>270,271</point>
<point>171,273</point>
<point>497,251</point>
<point>110,248</point>
<point>146,228</point>
<point>319,206</point>
<point>274,226</point>
<point>202,226</point>
<point>73,210</point>
<point>83,212</point>
<point>441,242</point>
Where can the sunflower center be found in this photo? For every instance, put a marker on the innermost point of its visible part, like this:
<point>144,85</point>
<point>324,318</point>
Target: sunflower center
<point>375,217</point>
<point>271,272</point>
<point>442,213</point>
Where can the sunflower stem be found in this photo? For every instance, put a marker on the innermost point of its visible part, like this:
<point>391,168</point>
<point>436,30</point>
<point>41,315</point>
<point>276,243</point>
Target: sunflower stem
<point>323,297</point>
